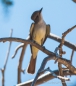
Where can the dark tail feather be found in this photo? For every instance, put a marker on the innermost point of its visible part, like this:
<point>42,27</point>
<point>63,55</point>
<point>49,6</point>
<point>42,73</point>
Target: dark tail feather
<point>31,67</point>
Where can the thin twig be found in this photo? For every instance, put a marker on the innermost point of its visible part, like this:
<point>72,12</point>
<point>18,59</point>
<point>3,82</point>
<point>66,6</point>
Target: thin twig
<point>16,50</point>
<point>8,50</point>
<point>23,71</point>
<point>64,34</point>
<point>20,61</point>
<point>56,49</point>
<point>6,60</point>
<point>71,58</point>
<point>61,74</point>
<point>57,76</point>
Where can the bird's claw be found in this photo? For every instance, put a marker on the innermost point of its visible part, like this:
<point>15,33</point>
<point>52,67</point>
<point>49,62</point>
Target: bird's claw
<point>44,47</point>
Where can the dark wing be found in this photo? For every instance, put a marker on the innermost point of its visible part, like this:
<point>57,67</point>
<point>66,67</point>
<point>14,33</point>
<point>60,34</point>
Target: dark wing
<point>31,30</point>
<point>47,32</point>
<point>31,33</point>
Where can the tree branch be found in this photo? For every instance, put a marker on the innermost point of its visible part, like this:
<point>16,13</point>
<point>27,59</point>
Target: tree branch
<point>52,36</point>
<point>60,60</point>
<point>41,71</point>
<point>27,42</point>
<point>66,43</point>
<point>44,78</point>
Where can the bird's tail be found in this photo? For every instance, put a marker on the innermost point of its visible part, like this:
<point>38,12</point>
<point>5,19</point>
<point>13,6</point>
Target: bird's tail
<point>32,64</point>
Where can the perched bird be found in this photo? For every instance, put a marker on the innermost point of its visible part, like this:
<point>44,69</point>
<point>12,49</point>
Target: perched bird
<point>38,33</point>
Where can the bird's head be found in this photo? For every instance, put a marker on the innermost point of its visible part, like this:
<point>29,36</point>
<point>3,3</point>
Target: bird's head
<point>36,16</point>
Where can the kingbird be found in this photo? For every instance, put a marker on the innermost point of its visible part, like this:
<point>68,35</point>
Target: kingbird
<point>38,33</point>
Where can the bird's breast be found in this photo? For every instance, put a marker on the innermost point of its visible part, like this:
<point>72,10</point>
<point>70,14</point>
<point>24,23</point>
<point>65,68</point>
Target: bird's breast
<point>39,32</point>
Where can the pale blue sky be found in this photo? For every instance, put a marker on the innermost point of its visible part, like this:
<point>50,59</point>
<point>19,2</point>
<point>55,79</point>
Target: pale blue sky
<point>60,14</point>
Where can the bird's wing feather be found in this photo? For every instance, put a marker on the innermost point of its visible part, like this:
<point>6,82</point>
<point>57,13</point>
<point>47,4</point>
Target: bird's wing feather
<point>31,32</point>
<point>47,33</point>
<point>47,30</point>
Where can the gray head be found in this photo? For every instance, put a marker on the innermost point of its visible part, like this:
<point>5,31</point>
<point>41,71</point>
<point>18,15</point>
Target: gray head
<point>36,16</point>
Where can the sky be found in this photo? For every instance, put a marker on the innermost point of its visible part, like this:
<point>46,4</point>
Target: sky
<point>60,14</point>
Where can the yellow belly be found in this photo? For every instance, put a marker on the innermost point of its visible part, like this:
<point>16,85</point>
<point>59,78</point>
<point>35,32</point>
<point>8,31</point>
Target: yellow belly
<point>38,35</point>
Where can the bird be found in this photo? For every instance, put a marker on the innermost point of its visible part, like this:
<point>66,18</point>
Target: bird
<point>38,33</point>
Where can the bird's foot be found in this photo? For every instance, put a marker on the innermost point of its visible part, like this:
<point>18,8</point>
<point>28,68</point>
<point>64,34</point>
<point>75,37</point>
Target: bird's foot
<point>34,41</point>
<point>44,47</point>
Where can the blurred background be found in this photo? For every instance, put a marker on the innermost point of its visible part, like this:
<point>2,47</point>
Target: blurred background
<point>15,14</point>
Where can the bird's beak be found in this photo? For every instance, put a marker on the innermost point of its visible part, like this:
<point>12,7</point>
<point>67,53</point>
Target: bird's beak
<point>40,10</point>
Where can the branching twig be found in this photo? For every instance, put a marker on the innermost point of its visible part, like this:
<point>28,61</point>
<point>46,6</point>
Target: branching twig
<point>63,41</point>
<point>43,66</point>
<point>53,74</point>
<point>64,34</point>
<point>41,79</point>
<point>20,61</point>
<point>27,42</point>
<point>38,46</point>
<point>68,44</point>
<point>61,52</point>
<point>23,71</point>
<point>6,60</point>
<point>16,50</point>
